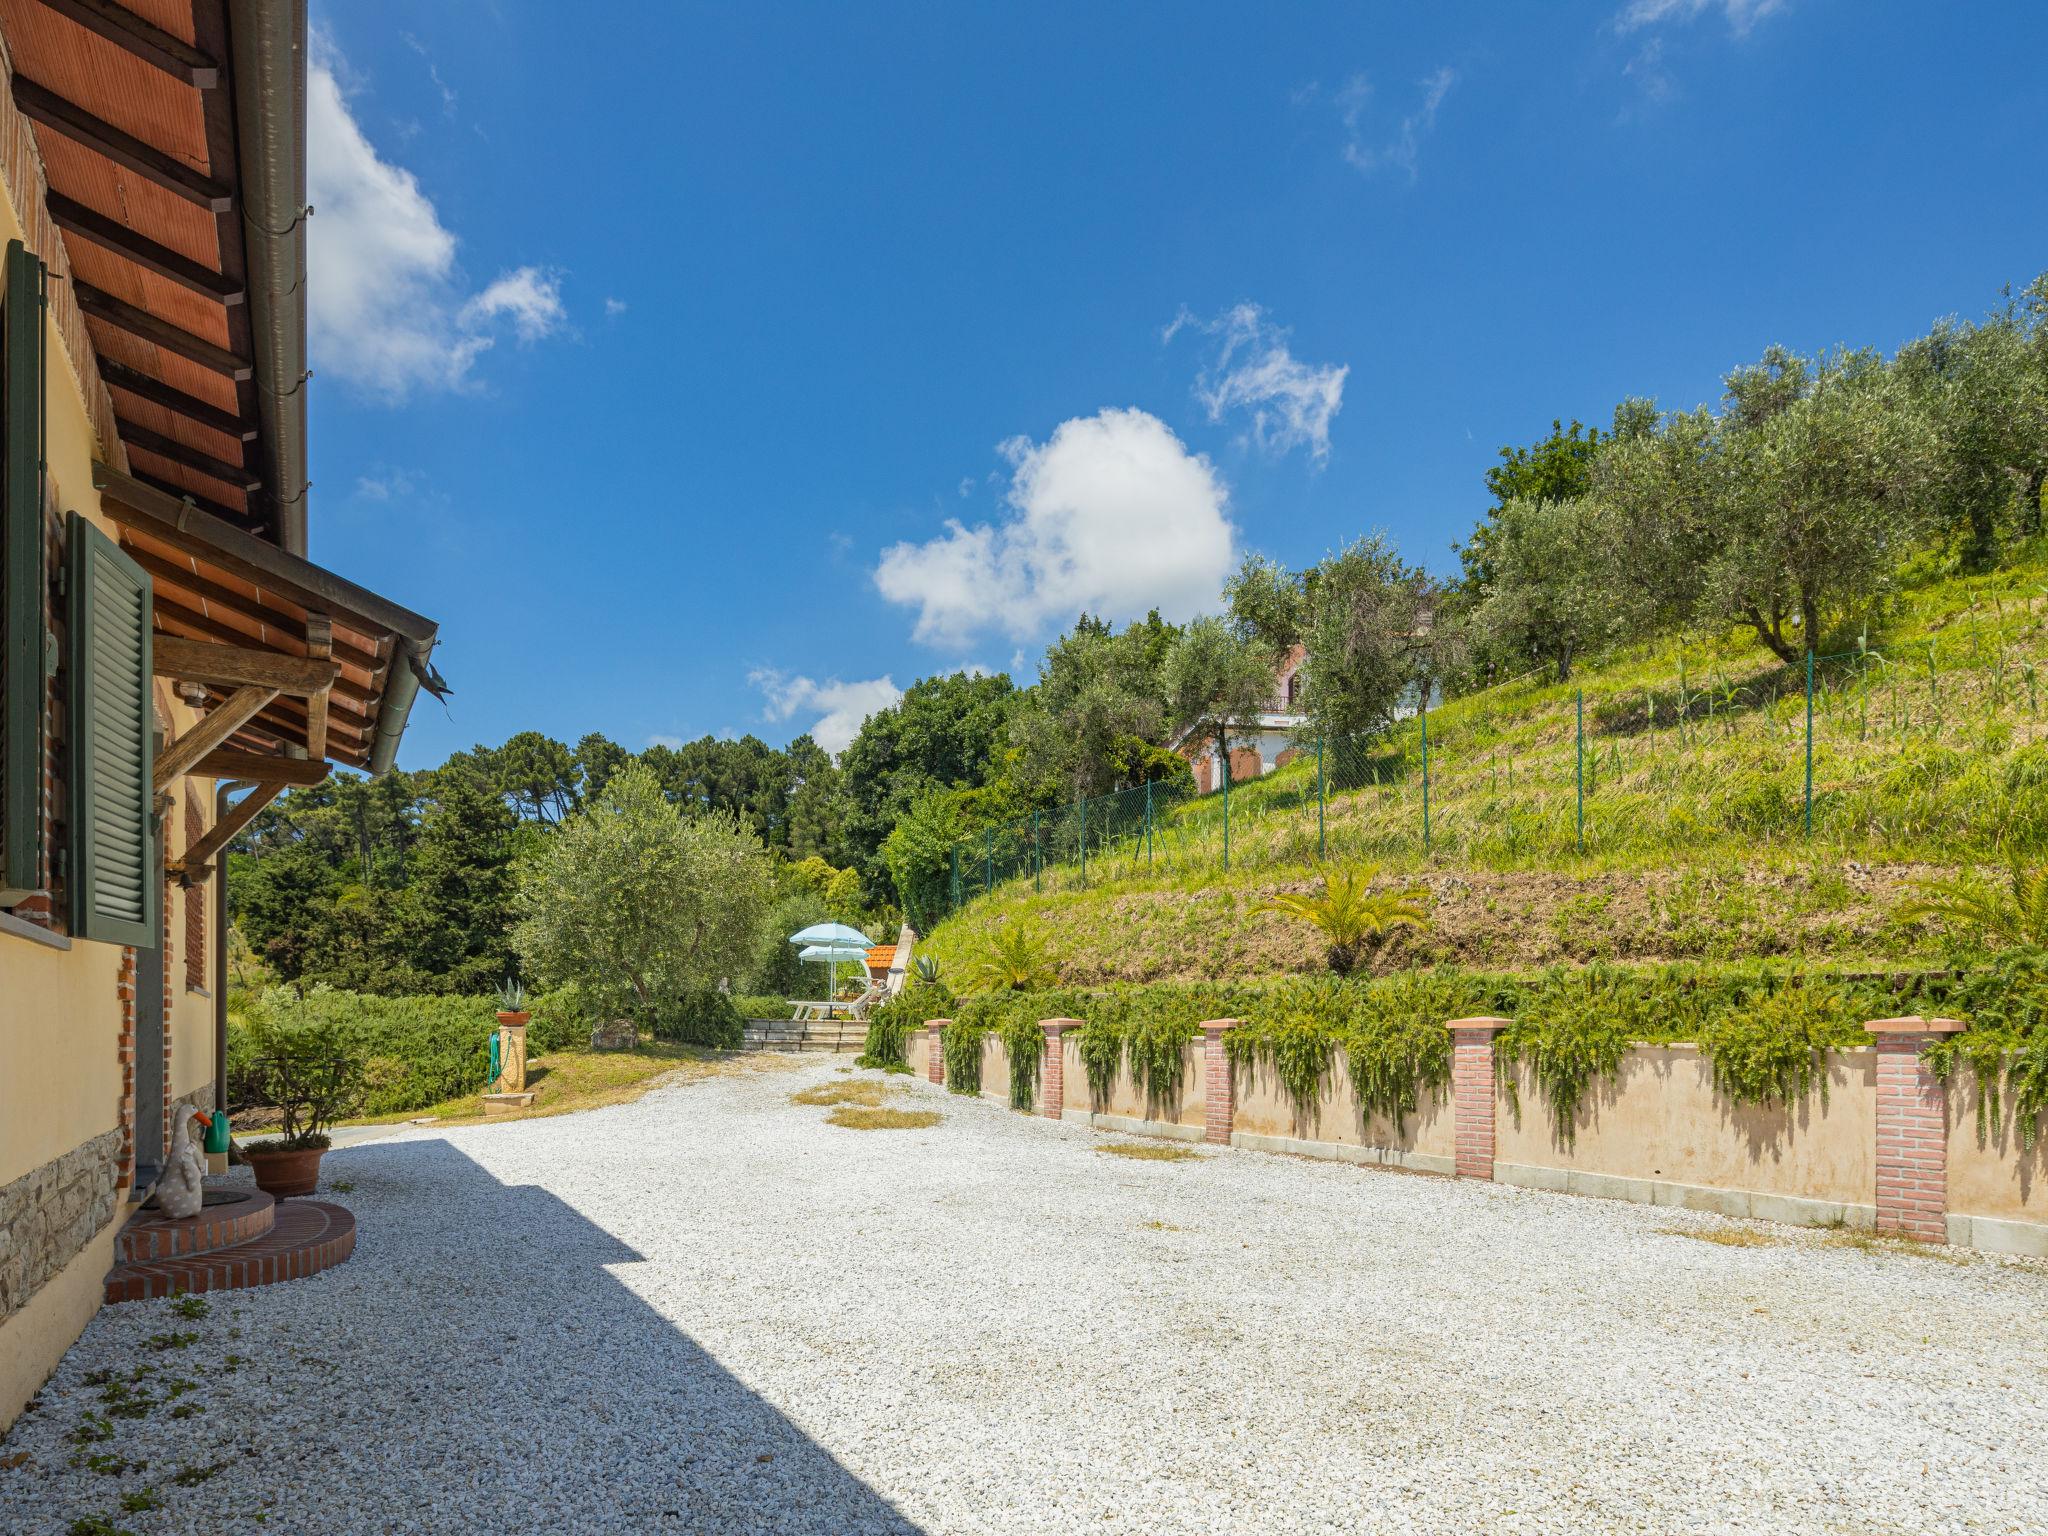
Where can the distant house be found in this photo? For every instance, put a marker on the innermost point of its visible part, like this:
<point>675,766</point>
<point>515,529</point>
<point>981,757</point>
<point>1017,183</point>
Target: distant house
<point>1254,750</point>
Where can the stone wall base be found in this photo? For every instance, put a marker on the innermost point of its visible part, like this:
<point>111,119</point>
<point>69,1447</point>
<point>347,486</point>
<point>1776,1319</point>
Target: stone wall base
<point>1994,1235</point>
<point>1130,1125</point>
<point>50,1213</point>
<point>1792,1210</point>
<point>1344,1152</point>
<point>34,1339</point>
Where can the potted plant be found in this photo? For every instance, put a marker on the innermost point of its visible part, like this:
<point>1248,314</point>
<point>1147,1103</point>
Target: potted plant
<point>512,1003</point>
<point>312,1075</point>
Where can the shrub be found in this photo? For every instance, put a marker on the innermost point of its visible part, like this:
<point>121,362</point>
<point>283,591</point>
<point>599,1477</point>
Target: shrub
<point>889,1025</point>
<point>704,1017</point>
<point>414,1051</point>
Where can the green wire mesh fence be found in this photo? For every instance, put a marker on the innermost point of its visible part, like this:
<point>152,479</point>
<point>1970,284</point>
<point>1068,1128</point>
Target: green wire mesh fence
<point>1933,750</point>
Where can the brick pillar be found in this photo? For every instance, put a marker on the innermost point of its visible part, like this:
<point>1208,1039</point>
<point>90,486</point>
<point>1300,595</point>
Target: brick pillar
<point>1219,1104</point>
<point>934,1049</point>
<point>1912,1130</point>
<point>1052,1090</point>
<point>1472,1092</point>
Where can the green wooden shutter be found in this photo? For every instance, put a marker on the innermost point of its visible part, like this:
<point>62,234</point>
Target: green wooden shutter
<point>22,584</point>
<point>115,889</point>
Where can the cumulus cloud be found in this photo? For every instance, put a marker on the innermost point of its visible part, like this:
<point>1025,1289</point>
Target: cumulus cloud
<point>1111,515</point>
<point>1288,403</point>
<point>387,309</point>
<point>840,709</point>
<point>1741,15</point>
<point>1367,147</point>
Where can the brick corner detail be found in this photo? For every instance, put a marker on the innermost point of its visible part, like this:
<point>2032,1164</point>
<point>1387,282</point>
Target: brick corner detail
<point>934,1050</point>
<point>1912,1129</point>
<point>1219,1098</point>
<point>1052,1097</point>
<point>1473,1093</point>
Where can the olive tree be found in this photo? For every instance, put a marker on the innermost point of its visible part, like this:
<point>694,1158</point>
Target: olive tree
<point>637,904</point>
<point>1554,589</point>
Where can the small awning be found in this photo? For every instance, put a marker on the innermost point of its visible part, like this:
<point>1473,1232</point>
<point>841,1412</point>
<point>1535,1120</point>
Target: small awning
<point>345,663</point>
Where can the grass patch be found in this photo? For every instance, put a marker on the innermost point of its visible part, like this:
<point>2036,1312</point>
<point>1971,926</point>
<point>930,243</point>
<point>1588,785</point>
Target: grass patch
<point>869,1093</point>
<point>565,1081</point>
<point>1897,1247</point>
<point>1727,1237</point>
<point>855,1117</point>
<point>1148,1151</point>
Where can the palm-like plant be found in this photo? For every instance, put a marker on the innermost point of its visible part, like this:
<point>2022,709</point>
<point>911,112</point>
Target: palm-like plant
<point>1350,915</point>
<point>1018,960</point>
<point>2008,916</point>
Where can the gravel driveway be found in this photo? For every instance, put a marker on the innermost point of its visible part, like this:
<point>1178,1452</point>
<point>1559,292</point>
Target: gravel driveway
<point>710,1311</point>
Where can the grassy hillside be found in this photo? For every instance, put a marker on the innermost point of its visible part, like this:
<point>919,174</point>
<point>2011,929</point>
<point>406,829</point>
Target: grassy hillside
<point>1927,747</point>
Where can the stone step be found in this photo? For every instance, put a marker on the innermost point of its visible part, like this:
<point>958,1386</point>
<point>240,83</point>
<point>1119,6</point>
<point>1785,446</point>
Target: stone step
<point>305,1237</point>
<point>151,1235</point>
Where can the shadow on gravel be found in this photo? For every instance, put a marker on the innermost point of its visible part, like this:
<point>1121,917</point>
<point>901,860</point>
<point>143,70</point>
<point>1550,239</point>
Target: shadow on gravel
<point>581,1379</point>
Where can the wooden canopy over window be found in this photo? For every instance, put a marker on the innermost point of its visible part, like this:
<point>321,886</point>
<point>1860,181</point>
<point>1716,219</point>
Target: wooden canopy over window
<point>224,599</point>
<point>134,111</point>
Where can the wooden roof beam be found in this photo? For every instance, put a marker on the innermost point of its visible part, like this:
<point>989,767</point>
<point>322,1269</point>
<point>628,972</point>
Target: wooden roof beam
<point>149,440</point>
<point>158,332</point>
<point>236,666</point>
<point>118,375</point>
<point>196,862</point>
<point>209,731</point>
<point>41,104</point>
<point>74,218</point>
<point>214,630</point>
<point>320,646</point>
<point>144,39</point>
<point>254,766</point>
<point>226,597</point>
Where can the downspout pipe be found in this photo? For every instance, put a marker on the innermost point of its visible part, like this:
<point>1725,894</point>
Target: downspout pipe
<point>408,666</point>
<point>267,39</point>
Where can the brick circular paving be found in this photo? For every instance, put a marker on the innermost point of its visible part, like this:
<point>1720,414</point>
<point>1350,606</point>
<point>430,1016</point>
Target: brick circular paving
<point>711,1311</point>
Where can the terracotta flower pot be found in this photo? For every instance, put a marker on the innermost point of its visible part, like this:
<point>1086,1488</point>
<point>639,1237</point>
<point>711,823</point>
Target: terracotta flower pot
<point>519,1018</point>
<point>282,1174</point>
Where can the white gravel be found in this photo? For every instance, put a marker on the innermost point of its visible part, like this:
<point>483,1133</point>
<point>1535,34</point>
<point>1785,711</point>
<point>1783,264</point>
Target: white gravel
<point>712,1312</point>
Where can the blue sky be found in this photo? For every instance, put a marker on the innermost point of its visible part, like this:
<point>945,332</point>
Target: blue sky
<point>724,368</point>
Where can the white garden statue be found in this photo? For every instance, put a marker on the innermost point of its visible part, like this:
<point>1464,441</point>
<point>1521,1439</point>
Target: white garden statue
<point>179,1192</point>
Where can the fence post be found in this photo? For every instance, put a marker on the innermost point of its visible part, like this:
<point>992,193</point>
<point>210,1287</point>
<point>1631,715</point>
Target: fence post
<point>1148,823</point>
<point>1912,1129</point>
<point>1223,751</point>
<point>1219,1090</point>
<point>1581,770</point>
<point>1084,842</point>
<point>1425,774</point>
<point>1809,743</point>
<point>953,885</point>
<point>1321,847</point>
<point>1037,857</point>
<point>988,860</point>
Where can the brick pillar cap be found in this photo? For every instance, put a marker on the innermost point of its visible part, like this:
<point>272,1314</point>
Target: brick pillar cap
<point>936,1023</point>
<point>1217,1026</point>
<point>1054,1026</point>
<point>1913,1024</point>
<point>1492,1025</point>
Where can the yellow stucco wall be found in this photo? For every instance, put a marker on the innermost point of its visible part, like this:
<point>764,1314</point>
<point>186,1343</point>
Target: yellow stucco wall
<point>1994,1177</point>
<point>1660,1118</point>
<point>1264,1108</point>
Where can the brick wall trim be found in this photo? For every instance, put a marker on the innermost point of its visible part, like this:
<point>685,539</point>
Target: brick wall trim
<point>1052,1094</point>
<point>1473,1092</point>
<point>1219,1097</point>
<point>934,1050</point>
<point>1912,1129</point>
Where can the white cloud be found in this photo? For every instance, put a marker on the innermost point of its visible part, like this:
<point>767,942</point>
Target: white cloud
<point>1367,151</point>
<point>387,309</point>
<point>385,485</point>
<point>841,708</point>
<point>1111,515</point>
<point>613,308</point>
<point>532,298</point>
<point>1742,15</point>
<point>673,743</point>
<point>1290,403</point>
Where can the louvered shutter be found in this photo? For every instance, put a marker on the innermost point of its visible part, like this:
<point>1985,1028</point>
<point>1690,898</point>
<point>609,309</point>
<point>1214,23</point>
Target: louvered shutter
<point>22,669</point>
<point>115,890</point>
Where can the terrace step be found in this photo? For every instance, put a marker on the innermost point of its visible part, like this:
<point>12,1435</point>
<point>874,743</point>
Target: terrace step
<point>228,1217</point>
<point>831,1035</point>
<point>305,1237</point>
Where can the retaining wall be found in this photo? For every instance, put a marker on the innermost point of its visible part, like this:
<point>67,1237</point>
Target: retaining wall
<point>1888,1147</point>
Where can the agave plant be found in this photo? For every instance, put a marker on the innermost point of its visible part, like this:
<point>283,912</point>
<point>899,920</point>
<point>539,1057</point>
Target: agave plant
<point>1018,960</point>
<point>2011,915</point>
<point>1350,915</point>
<point>511,996</point>
<point>927,968</point>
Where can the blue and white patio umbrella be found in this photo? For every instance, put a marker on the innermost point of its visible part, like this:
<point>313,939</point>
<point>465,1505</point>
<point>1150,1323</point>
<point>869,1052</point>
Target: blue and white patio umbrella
<point>832,943</point>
